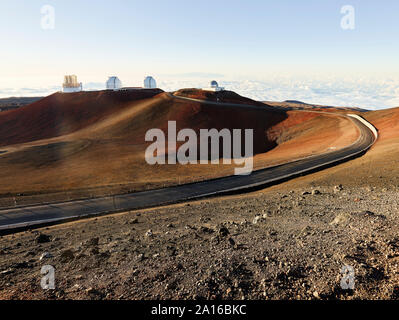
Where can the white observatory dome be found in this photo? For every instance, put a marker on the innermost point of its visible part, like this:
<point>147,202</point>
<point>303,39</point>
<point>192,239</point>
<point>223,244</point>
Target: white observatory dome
<point>150,83</point>
<point>113,83</point>
<point>214,84</point>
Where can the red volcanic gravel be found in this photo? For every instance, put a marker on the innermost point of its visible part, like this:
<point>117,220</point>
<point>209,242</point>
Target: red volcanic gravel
<point>63,113</point>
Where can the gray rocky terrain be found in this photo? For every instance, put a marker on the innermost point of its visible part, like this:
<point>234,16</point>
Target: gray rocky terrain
<point>272,244</point>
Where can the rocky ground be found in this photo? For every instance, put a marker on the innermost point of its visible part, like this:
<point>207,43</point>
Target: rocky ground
<point>279,243</point>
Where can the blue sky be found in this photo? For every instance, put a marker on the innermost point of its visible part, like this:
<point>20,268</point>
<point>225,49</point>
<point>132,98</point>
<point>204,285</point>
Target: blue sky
<point>236,39</point>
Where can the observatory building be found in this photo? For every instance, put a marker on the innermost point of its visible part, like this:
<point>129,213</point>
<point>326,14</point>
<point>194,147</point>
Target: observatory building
<point>150,83</point>
<point>214,86</point>
<point>113,83</point>
<point>71,84</point>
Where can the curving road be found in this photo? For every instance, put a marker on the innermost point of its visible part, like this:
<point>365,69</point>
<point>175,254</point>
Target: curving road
<point>21,218</point>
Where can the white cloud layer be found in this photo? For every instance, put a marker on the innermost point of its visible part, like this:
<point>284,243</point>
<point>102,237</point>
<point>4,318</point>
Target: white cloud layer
<point>363,93</point>
<point>367,92</point>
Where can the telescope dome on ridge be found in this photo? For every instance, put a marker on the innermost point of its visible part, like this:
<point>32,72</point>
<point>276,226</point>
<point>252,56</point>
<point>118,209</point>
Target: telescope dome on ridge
<point>150,83</point>
<point>113,83</point>
<point>214,84</point>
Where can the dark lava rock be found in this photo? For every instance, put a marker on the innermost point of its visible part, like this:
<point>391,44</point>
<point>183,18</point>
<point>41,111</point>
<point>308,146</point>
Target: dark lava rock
<point>67,255</point>
<point>223,232</point>
<point>206,230</point>
<point>43,238</point>
<point>93,242</point>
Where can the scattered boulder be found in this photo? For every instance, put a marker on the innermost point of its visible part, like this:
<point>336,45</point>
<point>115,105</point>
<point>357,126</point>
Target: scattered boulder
<point>149,233</point>
<point>223,232</point>
<point>258,219</point>
<point>341,218</point>
<point>140,257</point>
<point>338,188</point>
<point>46,255</point>
<point>367,213</point>
<point>91,291</point>
<point>315,191</point>
<point>43,238</point>
<point>22,265</point>
<point>372,214</point>
<point>134,221</point>
<point>94,251</point>
<point>93,242</point>
<point>171,286</point>
<point>206,230</point>
<point>67,255</point>
<point>172,251</point>
<point>8,271</point>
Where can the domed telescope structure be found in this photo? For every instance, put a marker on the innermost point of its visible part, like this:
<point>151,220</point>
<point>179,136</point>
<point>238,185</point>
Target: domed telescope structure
<point>214,86</point>
<point>150,83</point>
<point>113,83</point>
<point>71,84</point>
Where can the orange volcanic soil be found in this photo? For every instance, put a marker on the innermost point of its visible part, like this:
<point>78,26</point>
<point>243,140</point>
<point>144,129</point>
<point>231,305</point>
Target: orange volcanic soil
<point>92,143</point>
<point>305,134</point>
<point>60,114</point>
<point>377,169</point>
<point>387,121</point>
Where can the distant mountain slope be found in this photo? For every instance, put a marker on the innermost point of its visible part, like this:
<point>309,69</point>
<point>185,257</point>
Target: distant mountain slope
<point>224,96</point>
<point>16,102</point>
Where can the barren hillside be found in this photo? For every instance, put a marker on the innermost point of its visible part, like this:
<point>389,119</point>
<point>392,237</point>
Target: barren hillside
<point>87,144</point>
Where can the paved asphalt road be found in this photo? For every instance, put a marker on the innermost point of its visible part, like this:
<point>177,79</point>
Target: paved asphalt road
<point>16,219</point>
